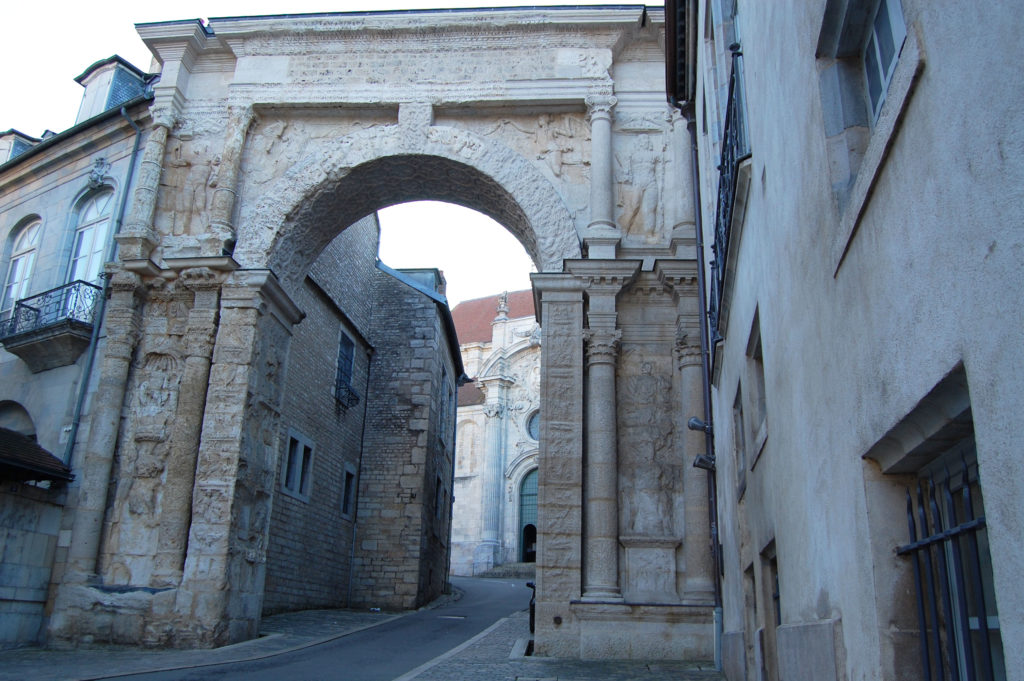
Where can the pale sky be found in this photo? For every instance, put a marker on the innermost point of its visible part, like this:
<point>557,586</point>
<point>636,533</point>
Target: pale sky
<point>45,46</point>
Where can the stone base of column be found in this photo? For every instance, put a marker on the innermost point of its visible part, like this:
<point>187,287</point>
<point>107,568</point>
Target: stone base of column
<point>650,569</point>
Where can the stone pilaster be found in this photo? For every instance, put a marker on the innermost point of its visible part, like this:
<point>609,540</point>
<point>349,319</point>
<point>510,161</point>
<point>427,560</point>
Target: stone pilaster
<point>602,234</point>
<point>495,410</point>
<point>220,234</point>
<point>559,496</point>
<point>221,591</point>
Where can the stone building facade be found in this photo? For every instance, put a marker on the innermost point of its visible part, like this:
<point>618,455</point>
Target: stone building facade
<point>266,138</point>
<point>495,512</point>
<point>139,516</point>
<point>861,212</point>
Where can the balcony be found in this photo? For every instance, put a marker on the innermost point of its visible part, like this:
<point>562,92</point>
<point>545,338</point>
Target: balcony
<point>733,181</point>
<point>53,328</point>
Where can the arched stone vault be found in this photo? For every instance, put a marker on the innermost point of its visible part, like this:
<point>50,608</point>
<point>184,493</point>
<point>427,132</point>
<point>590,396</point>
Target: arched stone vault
<point>337,184</point>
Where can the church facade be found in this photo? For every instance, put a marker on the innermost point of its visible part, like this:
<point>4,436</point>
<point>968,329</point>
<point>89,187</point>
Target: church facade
<point>494,518</point>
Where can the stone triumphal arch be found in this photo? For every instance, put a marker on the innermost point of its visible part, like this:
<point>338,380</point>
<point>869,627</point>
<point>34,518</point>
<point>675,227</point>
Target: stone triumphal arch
<point>268,137</point>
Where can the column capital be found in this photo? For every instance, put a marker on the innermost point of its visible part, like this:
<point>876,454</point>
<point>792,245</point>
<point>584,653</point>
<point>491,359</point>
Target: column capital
<point>600,106</point>
<point>602,345</point>
<point>604,277</point>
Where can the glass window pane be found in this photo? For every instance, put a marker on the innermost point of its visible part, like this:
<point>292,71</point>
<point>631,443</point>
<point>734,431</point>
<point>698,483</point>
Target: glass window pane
<point>871,70</point>
<point>883,34</point>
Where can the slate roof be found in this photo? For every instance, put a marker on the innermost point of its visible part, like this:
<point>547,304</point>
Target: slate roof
<point>473,317</point>
<point>21,458</point>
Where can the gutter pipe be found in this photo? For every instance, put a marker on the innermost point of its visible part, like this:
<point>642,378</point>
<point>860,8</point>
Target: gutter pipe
<point>76,420</point>
<point>709,439</point>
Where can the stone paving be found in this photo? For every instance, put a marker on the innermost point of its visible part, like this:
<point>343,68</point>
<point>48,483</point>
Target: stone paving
<point>494,655</point>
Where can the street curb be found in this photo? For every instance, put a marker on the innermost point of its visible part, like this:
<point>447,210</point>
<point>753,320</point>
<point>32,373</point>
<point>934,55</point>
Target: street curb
<point>451,653</point>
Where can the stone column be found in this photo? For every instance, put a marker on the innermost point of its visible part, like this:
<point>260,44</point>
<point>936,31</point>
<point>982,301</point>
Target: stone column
<point>602,280</point>
<point>220,233</point>
<point>489,551</point>
<point>700,587</point>
<point>137,238</point>
<point>122,326</point>
<point>681,277</point>
<point>602,234</point>
<point>680,206</point>
<point>188,422</point>
<point>600,480</point>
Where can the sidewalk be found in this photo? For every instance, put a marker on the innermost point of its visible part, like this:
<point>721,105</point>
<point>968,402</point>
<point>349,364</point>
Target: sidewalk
<point>496,654</point>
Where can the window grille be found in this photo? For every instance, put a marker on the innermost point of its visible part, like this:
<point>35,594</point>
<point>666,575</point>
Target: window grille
<point>959,627</point>
<point>343,390</point>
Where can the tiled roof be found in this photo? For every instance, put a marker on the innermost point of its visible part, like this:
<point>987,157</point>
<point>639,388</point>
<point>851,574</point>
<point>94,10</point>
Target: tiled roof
<point>473,317</point>
<point>22,459</point>
<point>470,394</point>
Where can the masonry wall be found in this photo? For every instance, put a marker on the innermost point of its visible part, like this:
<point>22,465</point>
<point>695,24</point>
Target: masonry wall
<point>402,536</point>
<point>309,550</point>
<point>865,297</point>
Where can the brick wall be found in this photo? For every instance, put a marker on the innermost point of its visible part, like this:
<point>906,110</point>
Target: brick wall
<point>402,544</point>
<point>309,550</point>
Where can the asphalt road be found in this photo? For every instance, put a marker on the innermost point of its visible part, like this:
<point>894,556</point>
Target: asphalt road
<point>381,653</point>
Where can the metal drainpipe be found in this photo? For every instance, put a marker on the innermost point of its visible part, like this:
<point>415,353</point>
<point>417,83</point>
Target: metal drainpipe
<point>90,359</point>
<point>359,476</point>
<point>709,442</point>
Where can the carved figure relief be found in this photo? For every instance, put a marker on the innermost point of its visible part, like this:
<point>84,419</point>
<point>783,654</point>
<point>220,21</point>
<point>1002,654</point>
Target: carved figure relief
<point>649,472</point>
<point>639,174</point>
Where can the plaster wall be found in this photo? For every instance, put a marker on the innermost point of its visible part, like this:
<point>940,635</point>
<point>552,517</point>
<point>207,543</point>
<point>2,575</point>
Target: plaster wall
<point>861,315</point>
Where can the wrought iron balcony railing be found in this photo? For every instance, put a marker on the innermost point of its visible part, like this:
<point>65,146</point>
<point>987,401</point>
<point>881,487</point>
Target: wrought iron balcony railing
<point>735,150</point>
<point>74,302</point>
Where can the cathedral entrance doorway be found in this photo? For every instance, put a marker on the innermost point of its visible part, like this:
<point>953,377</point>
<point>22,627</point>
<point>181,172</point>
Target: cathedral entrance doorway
<point>528,518</point>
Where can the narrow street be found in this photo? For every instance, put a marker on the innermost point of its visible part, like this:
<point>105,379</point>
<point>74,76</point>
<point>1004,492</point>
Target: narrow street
<point>381,653</point>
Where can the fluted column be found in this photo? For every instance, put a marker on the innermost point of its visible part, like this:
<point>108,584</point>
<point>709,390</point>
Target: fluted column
<point>602,234</point>
<point>221,231</point>
<point>600,481</point>
<point>137,238</point>
<point>122,325</point>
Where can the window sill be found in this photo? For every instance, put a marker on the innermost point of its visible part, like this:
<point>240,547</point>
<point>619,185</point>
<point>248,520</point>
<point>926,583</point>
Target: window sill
<point>304,498</point>
<point>901,87</point>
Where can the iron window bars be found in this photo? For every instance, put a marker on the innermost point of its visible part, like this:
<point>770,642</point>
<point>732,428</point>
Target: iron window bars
<point>735,150</point>
<point>959,626</point>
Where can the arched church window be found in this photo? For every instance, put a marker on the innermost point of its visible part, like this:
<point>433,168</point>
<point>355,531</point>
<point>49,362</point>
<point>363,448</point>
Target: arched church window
<point>19,272</point>
<point>91,236</point>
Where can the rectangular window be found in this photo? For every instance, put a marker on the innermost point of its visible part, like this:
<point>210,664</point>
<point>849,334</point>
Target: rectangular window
<point>343,390</point>
<point>348,491</point>
<point>298,467</point>
<point>882,51</point>
<point>739,441</point>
